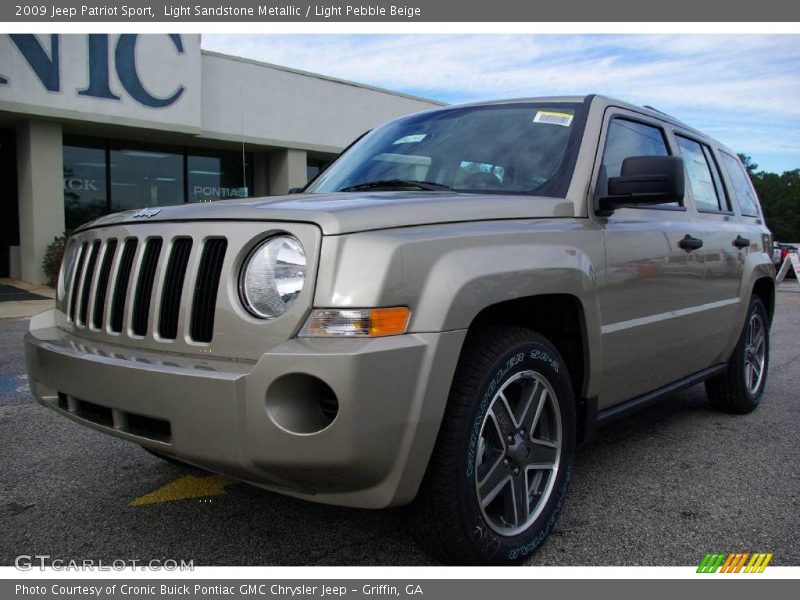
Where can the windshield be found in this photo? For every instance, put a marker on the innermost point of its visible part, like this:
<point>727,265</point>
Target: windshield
<point>519,148</point>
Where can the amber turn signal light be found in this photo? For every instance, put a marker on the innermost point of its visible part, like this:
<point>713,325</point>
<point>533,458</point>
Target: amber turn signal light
<point>356,322</point>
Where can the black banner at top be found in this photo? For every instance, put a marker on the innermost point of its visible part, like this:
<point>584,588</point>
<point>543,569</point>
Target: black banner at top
<point>148,11</point>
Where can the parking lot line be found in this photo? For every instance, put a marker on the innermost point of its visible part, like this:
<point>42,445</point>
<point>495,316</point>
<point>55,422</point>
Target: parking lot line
<point>186,488</point>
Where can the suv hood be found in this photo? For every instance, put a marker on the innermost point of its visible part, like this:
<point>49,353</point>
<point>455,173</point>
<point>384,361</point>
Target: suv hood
<point>339,213</point>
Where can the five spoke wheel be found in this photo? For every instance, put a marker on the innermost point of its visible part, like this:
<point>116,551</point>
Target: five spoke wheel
<point>518,453</point>
<point>754,352</point>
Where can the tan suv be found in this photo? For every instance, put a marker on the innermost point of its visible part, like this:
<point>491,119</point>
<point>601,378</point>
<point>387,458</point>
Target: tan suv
<point>440,317</point>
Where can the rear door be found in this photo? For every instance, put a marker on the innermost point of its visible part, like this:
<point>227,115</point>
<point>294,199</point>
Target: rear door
<point>740,189</point>
<point>753,236</point>
<point>652,286</point>
<point>723,250</point>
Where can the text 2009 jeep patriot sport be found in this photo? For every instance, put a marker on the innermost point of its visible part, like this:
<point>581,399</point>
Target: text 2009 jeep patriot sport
<point>440,317</point>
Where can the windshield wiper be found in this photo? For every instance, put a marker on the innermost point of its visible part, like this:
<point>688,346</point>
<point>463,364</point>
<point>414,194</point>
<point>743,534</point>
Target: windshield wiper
<point>397,183</point>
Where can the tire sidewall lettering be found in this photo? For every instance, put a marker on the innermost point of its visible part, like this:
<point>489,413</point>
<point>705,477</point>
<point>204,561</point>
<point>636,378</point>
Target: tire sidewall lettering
<point>485,539</point>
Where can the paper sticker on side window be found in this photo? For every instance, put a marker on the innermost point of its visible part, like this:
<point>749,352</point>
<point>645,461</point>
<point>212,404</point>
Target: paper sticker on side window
<point>553,118</point>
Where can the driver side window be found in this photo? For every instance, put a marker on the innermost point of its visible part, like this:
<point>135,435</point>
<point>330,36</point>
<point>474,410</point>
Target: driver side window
<point>629,138</point>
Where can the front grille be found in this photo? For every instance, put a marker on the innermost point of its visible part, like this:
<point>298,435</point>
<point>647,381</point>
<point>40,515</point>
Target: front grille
<point>87,281</point>
<point>144,289</point>
<point>118,285</point>
<point>173,288</point>
<point>121,289</point>
<point>102,283</point>
<point>205,291</point>
<point>73,302</point>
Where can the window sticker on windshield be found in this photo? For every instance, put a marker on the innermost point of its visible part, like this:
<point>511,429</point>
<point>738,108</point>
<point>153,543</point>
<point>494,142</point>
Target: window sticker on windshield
<point>553,118</point>
<point>410,139</point>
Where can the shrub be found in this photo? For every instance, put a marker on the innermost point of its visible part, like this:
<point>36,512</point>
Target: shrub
<point>53,256</point>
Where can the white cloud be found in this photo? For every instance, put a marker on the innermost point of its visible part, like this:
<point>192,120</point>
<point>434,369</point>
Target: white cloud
<point>743,89</point>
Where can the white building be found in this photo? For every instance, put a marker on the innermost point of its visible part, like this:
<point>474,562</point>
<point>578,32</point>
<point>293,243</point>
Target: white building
<point>92,124</point>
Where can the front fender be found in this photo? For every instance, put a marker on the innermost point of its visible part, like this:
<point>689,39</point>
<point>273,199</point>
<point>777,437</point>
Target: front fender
<point>447,274</point>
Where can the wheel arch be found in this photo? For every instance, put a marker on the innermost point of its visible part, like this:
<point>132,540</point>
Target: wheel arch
<point>764,288</point>
<point>561,318</point>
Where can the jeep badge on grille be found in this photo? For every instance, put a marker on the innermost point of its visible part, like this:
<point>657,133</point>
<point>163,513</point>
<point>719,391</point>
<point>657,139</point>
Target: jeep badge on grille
<point>146,213</point>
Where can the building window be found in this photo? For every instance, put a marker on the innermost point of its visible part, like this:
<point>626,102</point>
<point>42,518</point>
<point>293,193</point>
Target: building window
<point>218,175</point>
<point>85,194</point>
<point>104,176</point>
<point>144,175</point>
<point>313,167</point>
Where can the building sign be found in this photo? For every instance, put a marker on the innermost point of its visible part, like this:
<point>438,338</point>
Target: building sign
<point>145,80</point>
<point>209,192</point>
<point>79,183</point>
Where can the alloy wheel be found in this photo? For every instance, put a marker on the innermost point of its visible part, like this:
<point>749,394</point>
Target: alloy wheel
<point>518,453</point>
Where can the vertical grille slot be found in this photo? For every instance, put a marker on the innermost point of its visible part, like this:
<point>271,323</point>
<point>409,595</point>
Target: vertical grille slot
<point>173,286</point>
<point>102,284</point>
<point>144,289</point>
<point>121,287</point>
<point>76,282</point>
<point>87,282</point>
<point>205,291</point>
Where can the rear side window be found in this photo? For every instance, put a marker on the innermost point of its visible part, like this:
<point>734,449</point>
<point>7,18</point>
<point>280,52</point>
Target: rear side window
<point>701,175</point>
<point>629,138</point>
<point>742,188</point>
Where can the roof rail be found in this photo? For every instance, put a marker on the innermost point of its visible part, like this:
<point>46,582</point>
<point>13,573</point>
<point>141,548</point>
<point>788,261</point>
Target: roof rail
<point>653,108</point>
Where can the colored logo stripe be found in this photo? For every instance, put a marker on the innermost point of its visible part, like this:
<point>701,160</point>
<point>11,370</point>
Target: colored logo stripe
<point>758,563</point>
<point>711,562</point>
<point>734,562</point>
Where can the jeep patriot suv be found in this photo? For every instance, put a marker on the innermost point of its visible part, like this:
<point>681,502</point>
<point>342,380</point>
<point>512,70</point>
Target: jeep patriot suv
<point>439,317</point>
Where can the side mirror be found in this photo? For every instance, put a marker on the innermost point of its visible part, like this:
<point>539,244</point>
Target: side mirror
<point>644,180</point>
<point>296,190</point>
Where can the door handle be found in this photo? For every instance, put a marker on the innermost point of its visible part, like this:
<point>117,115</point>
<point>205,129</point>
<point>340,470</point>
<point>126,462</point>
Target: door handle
<point>690,243</point>
<point>741,242</point>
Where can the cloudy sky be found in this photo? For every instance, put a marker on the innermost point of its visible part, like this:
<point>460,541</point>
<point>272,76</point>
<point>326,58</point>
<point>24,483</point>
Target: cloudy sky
<point>743,90</point>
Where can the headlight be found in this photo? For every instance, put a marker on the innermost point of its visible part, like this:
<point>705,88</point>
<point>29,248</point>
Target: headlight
<point>273,276</point>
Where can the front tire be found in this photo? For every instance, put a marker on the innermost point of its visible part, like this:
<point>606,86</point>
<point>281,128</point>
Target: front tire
<point>500,470</point>
<point>739,389</point>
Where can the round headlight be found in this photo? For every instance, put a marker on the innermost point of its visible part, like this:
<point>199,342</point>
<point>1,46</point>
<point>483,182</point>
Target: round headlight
<point>273,276</point>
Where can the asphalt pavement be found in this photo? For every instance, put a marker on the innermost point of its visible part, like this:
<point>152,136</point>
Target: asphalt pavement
<point>661,487</point>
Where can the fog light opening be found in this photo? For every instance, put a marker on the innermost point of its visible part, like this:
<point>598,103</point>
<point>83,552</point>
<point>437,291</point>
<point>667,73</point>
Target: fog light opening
<point>301,403</point>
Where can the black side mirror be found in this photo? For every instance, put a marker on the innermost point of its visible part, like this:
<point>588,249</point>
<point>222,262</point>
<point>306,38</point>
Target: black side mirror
<point>644,180</point>
<point>296,190</point>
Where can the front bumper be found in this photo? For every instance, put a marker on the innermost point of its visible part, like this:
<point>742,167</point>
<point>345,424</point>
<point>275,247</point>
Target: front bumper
<point>218,414</point>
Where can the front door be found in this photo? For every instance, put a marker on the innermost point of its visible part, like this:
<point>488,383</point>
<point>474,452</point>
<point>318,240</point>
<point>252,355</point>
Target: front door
<point>653,280</point>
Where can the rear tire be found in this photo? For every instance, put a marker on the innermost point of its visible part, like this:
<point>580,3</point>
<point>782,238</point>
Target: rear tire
<point>499,473</point>
<point>740,388</point>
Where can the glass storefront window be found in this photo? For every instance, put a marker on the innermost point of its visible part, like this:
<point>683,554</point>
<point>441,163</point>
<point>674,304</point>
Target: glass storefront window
<point>143,176</point>
<point>218,175</point>
<point>85,196</point>
<point>103,176</point>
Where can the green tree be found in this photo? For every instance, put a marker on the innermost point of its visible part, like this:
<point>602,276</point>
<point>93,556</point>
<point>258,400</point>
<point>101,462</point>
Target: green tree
<point>748,163</point>
<point>780,199</point>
